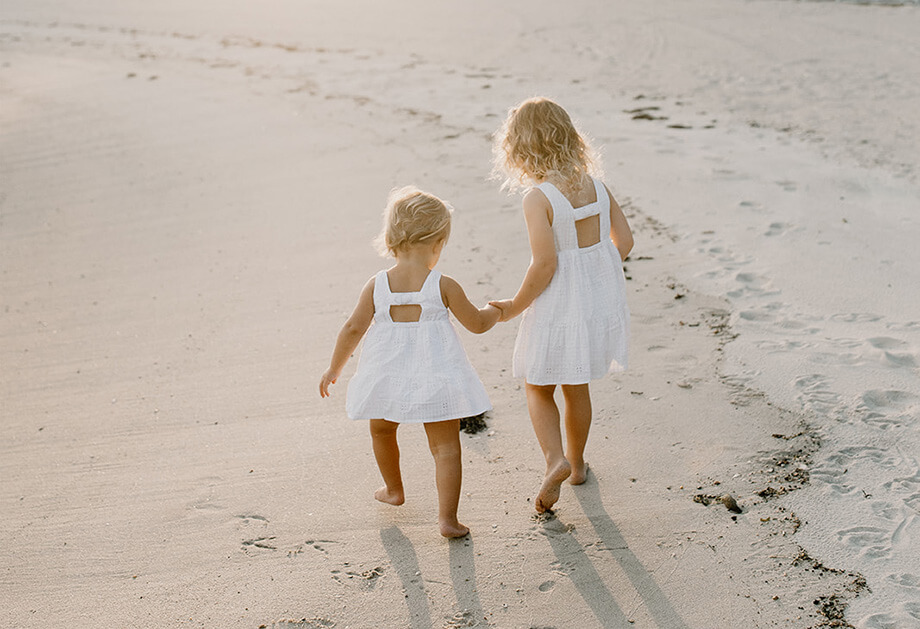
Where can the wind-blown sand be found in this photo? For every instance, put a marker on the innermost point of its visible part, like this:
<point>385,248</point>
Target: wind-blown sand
<point>187,197</point>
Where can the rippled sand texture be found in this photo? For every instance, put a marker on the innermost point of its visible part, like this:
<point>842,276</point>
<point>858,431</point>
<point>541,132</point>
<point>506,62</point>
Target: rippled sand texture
<point>187,196</point>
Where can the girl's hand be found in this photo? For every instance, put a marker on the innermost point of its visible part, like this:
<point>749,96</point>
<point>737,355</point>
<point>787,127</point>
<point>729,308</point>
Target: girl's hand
<point>493,315</point>
<point>504,306</point>
<point>328,378</point>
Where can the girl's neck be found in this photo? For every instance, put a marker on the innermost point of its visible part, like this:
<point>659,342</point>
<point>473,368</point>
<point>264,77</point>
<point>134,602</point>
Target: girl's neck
<point>418,256</point>
<point>412,267</point>
<point>580,194</point>
<point>566,186</point>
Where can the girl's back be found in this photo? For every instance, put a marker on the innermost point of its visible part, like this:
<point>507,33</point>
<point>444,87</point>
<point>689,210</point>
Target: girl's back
<point>577,329</point>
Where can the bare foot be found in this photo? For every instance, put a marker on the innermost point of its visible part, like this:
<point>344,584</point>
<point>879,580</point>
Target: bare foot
<point>395,498</point>
<point>552,482</point>
<point>453,529</point>
<point>579,474</point>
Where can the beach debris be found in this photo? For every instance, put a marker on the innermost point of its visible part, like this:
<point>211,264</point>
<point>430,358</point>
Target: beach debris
<point>303,623</point>
<point>730,503</point>
<point>726,499</point>
<point>777,435</point>
<point>643,113</point>
<point>474,424</point>
<point>704,499</point>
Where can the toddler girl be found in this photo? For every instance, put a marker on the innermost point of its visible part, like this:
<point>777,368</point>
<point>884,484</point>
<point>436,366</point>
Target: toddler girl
<point>576,324</point>
<point>412,368</point>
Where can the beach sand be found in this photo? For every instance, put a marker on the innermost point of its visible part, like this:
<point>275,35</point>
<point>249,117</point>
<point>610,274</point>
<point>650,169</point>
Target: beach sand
<point>187,198</point>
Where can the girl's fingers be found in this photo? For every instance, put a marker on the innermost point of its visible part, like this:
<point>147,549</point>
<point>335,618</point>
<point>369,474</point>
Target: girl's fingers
<point>324,385</point>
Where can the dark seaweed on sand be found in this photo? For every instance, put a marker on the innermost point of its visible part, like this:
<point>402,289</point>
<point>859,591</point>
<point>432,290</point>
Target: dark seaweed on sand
<point>472,425</point>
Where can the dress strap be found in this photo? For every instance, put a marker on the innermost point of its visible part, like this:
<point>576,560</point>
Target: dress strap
<point>381,290</point>
<point>603,202</point>
<point>555,196</point>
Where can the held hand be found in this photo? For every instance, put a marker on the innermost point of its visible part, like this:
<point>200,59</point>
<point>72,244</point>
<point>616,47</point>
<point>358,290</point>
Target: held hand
<point>504,305</point>
<point>493,315</point>
<point>327,379</point>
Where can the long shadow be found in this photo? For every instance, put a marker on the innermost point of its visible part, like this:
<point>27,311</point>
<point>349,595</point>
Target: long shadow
<point>584,576</point>
<point>656,601</point>
<point>405,561</point>
<point>463,577</point>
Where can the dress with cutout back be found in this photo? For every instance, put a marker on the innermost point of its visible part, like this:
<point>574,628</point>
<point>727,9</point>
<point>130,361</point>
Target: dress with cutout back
<point>414,372</point>
<point>577,330</point>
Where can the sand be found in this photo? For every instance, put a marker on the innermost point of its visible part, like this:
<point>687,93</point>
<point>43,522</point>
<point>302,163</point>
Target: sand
<point>187,197</point>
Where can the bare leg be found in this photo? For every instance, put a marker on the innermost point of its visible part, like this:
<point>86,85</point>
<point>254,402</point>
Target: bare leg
<point>444,442</point>
<point>544,415</point>
<point>386,451</point>
<point>577,426</point>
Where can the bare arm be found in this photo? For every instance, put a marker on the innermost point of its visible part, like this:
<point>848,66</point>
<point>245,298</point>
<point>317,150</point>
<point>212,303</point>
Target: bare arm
<point>476,320</point>
<point>620,233</point>
<point>349,337</point>
<point>537,212</point>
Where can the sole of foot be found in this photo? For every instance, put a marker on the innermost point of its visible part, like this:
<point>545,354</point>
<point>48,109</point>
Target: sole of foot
<point>552,483</point>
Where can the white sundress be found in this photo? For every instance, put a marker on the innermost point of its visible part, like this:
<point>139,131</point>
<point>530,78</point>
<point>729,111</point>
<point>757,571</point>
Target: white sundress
<point>577,330</point>
<point>414,372</point>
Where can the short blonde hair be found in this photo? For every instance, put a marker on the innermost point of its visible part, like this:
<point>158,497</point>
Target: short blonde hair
<point>410,218</point>
<point>538,140</point>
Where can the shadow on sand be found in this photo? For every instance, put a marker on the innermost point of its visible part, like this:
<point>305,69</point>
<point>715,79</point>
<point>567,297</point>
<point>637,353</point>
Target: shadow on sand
<point>462,575</point>
<point>405,562</point>
<point>586,578</point>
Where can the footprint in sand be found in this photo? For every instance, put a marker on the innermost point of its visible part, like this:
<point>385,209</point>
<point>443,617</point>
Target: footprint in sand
<point>871,541</point>
<point>877,456</point>
<point>847,359</point>
<point>912,610</point>
<point>905,580</point>
<point>886,408</point>
<point>462,619</point>
<point>779,346</point>
<point>831,470</point>
<point>913,501</point>
<point>777,229</point>
<point>260,542</point>
<point>562,569</point>
<point>752,285</point>
<point>887,354</point>
<point>905,483</point>
<point>767,313</point>
<point>546,586</point>
<point>910,326</point>
<point>815,394</point>
<point>855,317</point>
<point>880,621</point>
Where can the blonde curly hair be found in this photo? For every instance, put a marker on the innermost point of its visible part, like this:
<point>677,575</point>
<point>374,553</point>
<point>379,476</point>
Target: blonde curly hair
<point>412,217</point>
<point>538,140</point>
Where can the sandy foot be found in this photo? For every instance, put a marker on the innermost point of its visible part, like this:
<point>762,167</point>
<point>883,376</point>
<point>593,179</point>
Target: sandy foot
<point>579,474</point>
<point>395,498</point>
<point>453,529</point>
<point>549,491</point>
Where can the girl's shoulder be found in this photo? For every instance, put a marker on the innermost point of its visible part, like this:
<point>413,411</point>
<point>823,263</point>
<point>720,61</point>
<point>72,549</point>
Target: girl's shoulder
<point>447,283</point>
<point>536,197</point>
<point>370,286</point>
